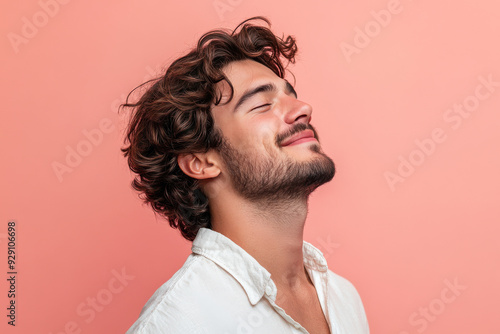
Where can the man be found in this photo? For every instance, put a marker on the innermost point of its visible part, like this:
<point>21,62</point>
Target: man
<point>224,149</point>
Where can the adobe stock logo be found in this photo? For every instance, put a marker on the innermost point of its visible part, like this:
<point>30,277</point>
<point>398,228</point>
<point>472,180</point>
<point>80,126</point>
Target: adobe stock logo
<point>74,156</point>
<point>430,312</point>
<point>455,115</point>
<point>223,6</point>
<point>253,320</point>
<point>31,26</point>
<point>94,137</point>
<point>364,36</point>
<point>98,302</point>
<point>326,246</point>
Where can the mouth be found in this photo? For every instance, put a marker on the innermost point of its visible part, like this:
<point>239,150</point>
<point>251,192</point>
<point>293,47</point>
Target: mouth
<point>299,138</point>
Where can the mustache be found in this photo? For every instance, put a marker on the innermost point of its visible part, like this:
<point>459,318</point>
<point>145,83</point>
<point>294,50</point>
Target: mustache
<point>296,129</point>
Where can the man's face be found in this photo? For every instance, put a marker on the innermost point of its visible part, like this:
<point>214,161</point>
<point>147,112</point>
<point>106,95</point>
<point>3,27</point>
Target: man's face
<point>270,150</point>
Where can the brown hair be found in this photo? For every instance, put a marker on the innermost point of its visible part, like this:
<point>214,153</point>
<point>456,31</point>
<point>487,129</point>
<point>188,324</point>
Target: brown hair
<point>173,116</point>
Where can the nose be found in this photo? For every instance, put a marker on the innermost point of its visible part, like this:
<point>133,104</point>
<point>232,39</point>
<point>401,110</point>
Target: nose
<point>295,110</point>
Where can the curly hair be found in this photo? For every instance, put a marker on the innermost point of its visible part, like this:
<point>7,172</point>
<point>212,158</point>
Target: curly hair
<point>173,116</point>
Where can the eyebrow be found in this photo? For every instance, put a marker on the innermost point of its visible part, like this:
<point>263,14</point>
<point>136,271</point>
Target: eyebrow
<point>270,87</point>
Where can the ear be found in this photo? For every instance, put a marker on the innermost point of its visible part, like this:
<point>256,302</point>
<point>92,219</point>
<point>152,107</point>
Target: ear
<point>198,165</point>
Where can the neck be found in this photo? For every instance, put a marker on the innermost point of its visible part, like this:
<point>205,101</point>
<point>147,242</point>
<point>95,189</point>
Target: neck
<point>270,232</point>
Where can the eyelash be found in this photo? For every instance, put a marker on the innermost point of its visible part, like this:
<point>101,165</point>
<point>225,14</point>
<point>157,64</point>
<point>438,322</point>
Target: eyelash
<point>263,105</point>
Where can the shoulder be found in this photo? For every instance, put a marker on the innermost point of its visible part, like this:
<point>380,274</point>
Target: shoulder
<point>342,286</point>
<point>343,290</point>
<point>189,298</point>
<point>346,300</point>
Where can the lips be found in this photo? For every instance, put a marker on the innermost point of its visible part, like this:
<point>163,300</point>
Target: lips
<point>306,134</point>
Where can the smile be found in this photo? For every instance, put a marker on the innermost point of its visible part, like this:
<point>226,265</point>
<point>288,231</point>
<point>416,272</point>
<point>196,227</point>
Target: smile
<point>299,138</point>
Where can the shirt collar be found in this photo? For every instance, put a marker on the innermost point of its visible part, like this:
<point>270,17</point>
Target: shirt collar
<point>242,266</point>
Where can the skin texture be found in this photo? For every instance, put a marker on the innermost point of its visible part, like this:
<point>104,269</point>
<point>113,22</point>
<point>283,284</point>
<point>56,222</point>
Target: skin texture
<point>258,188</point>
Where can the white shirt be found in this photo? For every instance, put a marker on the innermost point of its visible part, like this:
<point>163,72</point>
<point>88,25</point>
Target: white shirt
<point>221,289</point>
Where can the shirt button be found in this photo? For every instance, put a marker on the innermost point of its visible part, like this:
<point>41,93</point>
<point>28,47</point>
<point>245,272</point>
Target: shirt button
<point>269,290</point>
<point>296,325</point>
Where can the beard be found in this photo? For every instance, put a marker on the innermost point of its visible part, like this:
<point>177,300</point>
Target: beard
<point>276,177</point>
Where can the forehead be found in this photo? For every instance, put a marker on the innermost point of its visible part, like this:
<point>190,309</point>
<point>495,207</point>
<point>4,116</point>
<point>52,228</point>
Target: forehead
<point>244,74</point>
<point>247,70</point>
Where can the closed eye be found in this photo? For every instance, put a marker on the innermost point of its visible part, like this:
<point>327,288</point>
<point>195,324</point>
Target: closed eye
<point>263,105</point>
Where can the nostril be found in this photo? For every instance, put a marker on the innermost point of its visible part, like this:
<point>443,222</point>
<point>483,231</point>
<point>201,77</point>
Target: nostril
<point>304,118</point>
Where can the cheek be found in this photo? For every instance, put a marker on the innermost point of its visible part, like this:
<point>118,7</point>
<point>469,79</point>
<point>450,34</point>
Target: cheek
<point>258,135</point>
<point>251,134</point>
<point>230,129</point>
<point>260,127</point>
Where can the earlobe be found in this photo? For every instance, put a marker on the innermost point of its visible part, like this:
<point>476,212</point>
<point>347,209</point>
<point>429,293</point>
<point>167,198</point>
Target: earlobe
<point>197,165</point>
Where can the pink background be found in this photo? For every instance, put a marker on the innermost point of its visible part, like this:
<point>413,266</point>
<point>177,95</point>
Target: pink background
<point>401,244</point>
